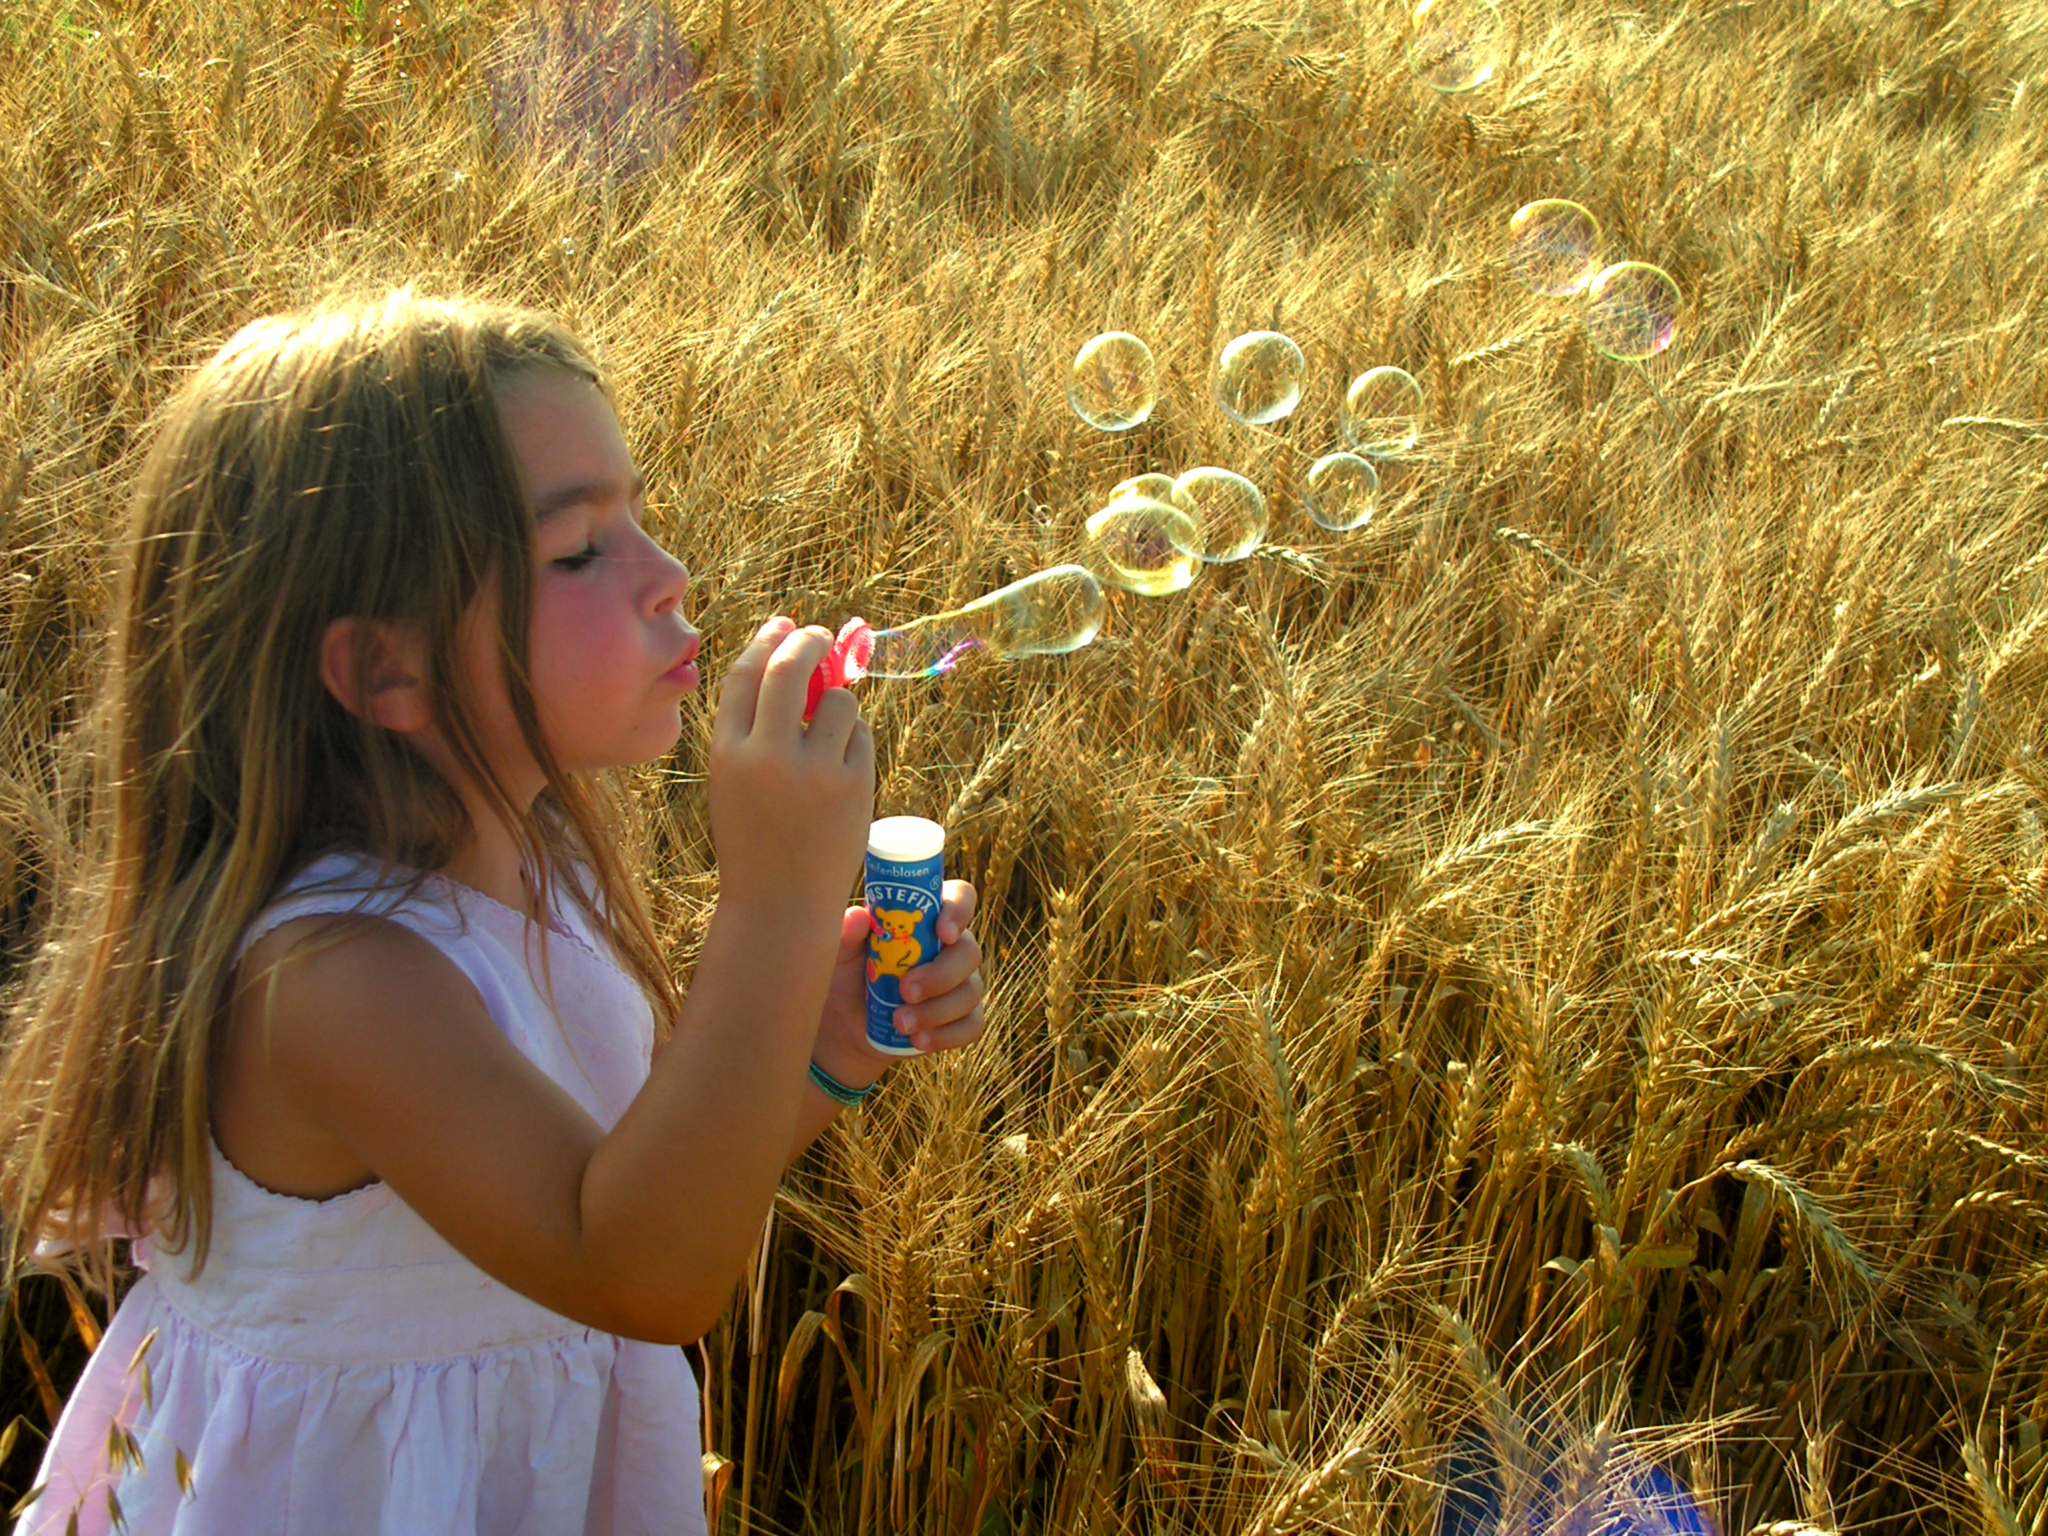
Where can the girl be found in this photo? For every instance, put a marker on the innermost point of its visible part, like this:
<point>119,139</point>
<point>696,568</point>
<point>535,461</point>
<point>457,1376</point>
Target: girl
<point>348,1018</point>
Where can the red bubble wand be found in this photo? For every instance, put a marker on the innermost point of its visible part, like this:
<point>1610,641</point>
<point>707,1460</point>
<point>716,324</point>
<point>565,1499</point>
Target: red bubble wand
<point>844,665</point>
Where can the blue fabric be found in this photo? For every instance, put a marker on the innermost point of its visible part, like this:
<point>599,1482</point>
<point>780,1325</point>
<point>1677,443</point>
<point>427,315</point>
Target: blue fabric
<point>1632,1496</point>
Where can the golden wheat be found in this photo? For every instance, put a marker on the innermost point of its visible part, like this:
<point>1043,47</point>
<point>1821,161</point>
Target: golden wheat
<point>1569,952</point>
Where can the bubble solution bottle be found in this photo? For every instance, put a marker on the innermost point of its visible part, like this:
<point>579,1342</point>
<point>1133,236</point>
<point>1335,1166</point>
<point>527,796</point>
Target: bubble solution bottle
<point>905,869</point>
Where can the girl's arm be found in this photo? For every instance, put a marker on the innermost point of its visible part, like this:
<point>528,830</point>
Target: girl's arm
<point>379,1043</point>
<point>945,993</point>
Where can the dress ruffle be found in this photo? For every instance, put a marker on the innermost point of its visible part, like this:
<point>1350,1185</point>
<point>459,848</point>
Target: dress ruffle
<point>585,1432</point>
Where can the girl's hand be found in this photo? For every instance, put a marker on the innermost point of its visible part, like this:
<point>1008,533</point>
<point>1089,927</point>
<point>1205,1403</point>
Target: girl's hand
<point>943,998</point>
<point>790,804</point>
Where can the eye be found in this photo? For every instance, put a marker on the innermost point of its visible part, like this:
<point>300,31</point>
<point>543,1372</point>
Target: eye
<point>577,561</point>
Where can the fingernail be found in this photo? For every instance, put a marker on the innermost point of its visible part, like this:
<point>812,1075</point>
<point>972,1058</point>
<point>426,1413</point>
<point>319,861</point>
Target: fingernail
<point>912,993</point>
<point>905,1018</point>
<point>922,1042</point>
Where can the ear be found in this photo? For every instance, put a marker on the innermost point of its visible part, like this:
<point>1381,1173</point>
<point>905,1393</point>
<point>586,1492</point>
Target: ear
<point>394,694</point>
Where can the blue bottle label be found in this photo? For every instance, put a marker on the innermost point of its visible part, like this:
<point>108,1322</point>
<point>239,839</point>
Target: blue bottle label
<point>903,933</point>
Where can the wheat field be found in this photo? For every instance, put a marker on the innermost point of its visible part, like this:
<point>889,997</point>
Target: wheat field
<point>1563,962</point>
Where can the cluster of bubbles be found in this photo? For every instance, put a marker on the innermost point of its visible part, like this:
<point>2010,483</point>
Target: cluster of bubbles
<point>1631,306</point>
<point>1553,245</point>
<point>1155,532</point>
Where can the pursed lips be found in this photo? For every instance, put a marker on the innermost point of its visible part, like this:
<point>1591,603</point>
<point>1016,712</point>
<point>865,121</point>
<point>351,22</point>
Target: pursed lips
<point>675,672</point>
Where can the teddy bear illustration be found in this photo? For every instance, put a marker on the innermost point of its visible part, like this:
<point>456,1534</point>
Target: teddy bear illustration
<point>895,949</point>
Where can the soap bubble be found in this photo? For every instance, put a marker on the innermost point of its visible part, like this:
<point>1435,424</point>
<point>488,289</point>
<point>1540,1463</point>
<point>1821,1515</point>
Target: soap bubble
<point>1143,544</point>
<point>1258,378</point>
<point>1047,613</point>
<point>1456,44</point>
<point>1342,491</point>
<point>604,86</point>
<point>1632,311</point>
<point>1553,246</point>
<point>1114,382</point>
<point>1383,412</point>
<point>1229,513</point>
<point>1147,487</point>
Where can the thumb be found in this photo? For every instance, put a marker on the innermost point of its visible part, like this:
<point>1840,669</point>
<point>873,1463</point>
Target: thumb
<point>853,932</point>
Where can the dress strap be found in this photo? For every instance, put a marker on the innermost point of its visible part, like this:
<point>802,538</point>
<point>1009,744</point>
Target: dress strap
<point>353,884</point>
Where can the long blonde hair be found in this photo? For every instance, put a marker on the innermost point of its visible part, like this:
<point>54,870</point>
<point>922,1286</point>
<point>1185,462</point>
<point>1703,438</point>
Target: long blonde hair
<point>344,461</point>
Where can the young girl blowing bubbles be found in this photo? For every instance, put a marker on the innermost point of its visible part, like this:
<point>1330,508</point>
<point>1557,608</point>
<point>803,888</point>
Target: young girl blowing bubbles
<point>359,1026</point>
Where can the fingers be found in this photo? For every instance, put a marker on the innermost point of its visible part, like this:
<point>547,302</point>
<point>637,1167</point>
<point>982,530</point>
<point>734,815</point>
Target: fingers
<point>947,992</point>
<point>860,744</point>
<point>956,963</point>
<point>832,725</point>
<point>786,681</point>
<point>957,904</point>
<point>951,1019</point>
<point>737,696</point>
<point>946,1037</point>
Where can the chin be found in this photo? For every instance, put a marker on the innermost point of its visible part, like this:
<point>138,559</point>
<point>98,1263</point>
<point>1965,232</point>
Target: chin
<point>664,741</point>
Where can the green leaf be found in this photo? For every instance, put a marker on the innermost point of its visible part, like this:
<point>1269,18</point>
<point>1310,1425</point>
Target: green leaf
<point>1659,1256</point>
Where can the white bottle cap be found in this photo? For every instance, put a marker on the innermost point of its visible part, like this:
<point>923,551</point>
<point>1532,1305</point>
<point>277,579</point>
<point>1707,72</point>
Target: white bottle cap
<point>906,839</point>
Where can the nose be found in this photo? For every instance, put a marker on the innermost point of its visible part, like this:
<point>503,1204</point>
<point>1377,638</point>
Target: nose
<point>674,583</point>
<point>667,580</point>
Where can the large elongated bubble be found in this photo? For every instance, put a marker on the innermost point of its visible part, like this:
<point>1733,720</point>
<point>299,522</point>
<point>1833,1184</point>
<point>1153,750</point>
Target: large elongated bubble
<point>596,90</point>
<point>1047,613</point>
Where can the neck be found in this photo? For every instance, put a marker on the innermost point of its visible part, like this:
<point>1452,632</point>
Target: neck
<point>489,861</point>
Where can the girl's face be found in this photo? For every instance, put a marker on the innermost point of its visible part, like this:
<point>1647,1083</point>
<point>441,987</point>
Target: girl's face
<point>610,656</point>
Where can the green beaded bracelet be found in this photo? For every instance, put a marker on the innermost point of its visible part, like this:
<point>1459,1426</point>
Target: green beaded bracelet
<point>837,1091</point>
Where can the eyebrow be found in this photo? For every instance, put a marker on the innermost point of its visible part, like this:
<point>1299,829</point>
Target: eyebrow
<point>583,493</point>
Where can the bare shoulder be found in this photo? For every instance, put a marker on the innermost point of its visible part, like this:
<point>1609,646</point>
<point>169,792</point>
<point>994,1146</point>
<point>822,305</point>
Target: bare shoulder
<point>331,989</point>
<point>315,972</point>
<point>322,1008</point>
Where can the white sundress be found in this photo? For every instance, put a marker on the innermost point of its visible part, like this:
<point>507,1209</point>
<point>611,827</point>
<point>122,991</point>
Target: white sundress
<point>337,1369</point>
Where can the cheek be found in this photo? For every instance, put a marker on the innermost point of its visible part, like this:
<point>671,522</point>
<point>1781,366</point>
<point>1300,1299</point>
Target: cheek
<point>581,643</point>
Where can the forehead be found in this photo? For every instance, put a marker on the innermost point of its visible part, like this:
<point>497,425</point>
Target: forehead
<point>567,440</point>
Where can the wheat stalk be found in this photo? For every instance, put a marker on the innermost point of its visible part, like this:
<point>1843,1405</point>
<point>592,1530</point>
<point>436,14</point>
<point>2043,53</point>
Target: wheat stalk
<point>1375,921</point>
